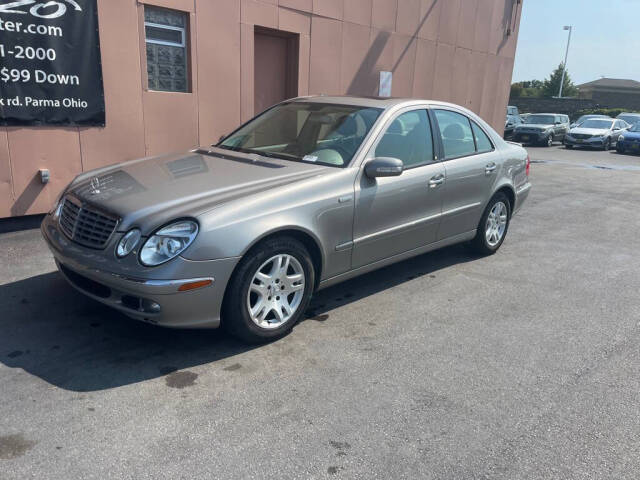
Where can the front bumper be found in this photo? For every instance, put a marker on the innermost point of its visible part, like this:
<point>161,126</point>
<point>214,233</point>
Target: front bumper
<point>628,146</point>
<point>149,295</point>
<point>595,142</point>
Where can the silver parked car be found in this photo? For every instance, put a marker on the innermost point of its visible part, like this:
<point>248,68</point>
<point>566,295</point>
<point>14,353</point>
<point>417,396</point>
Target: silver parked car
<point>596,132</point>
<point>309,193</point>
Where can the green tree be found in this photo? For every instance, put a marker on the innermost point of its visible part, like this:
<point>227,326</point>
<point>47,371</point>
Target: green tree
<point>516,90</point>
<point>551,86</point>
<point>529,88</point>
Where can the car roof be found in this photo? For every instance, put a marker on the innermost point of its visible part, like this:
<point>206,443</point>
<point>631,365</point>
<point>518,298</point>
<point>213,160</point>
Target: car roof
<point>629,114</point>
<point>369,101</point>
<point>548,114</point>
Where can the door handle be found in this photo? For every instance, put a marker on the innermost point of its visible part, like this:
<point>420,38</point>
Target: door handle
<point>435,181</point>
<point>489,168</point>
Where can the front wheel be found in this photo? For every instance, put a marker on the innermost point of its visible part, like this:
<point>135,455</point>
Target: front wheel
<point>549,141</point>
<point>493,225</point>
<point>607,145</point>
<point>269,291</point>
<point>566,145</point>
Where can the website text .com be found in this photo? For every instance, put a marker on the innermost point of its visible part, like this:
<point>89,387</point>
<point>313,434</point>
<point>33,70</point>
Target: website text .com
<point>32,28</point>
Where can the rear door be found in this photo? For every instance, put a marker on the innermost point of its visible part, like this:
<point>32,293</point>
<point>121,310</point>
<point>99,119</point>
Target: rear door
<point>397,214</point>
<point>471,166</point>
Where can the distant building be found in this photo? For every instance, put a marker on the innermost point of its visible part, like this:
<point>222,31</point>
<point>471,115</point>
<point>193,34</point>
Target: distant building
<point>612,92</point>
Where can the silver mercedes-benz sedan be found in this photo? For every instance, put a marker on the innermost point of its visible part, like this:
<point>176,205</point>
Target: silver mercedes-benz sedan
<point>309,193</point>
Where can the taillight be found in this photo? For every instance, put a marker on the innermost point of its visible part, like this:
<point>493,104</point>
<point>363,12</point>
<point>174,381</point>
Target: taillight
<point>528,169</point>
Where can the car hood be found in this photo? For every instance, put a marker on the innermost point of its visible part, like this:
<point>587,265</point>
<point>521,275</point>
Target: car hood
<point>628,134</point>
<point>158,189</point>
<point>588,131</point>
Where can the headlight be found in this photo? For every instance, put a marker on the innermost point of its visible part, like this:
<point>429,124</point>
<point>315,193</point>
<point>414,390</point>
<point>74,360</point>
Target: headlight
<point>168,242</point>
<point>57,208</point>
<point>128,243</point>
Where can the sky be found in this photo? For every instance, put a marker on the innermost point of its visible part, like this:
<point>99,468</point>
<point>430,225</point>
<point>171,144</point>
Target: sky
<point>605,41</point>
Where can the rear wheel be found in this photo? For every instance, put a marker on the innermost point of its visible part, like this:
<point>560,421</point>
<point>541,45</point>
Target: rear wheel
<point>269,291</point>
<point>493,225</point>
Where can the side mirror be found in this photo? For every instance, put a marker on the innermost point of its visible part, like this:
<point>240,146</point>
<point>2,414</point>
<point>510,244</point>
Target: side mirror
<point>383,167</point>
<point>558,123</point>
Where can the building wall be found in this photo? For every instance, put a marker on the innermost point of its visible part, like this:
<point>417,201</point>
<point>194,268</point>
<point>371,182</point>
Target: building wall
<point>454,50</point>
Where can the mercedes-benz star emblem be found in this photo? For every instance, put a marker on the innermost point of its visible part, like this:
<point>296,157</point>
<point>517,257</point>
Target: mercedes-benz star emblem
<point>95,186</point>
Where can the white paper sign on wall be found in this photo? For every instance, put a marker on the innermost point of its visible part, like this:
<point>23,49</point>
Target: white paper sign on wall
<point>386,79</point>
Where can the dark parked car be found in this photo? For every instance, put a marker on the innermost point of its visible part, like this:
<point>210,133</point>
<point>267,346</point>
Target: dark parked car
<point>542,129</point>
<point>598,133</point>
<point>629,141</point>
<point>510,124</point>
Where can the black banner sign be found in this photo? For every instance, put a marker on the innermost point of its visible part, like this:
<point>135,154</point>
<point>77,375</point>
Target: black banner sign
<point>50,69</point>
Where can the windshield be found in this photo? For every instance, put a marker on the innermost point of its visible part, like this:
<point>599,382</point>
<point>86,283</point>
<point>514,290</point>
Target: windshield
<point>587,117</point>
<point>595,123</point>
<point>630,119</point>
<point>321,133</point>
<point>541,119</point>
<point>635,127</point>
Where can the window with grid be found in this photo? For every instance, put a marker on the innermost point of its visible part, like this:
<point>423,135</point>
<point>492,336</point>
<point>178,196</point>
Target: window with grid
<point>166,41</point>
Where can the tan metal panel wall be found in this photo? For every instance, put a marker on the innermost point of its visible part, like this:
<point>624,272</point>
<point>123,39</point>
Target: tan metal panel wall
<point>454,50</point>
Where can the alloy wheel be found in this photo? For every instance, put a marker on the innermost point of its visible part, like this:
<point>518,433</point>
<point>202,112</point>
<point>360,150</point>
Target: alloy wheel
<point>276,291</point>
<point>496,224</point>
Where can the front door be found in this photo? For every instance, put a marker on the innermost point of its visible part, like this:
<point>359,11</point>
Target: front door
<point>397,214</point>
<point>275,67</point>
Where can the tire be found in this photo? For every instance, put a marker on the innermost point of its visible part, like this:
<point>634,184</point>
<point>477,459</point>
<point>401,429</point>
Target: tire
<point>481,243</point>
<point>549,141</point>
<point>236,316</point>
<point>569,147</point>
<point>607,145</point>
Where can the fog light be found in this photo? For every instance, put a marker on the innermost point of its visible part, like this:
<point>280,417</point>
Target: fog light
<point>150,306</point>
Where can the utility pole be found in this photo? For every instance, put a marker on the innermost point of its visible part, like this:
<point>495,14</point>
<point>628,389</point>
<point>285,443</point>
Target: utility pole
<point>566,54</point>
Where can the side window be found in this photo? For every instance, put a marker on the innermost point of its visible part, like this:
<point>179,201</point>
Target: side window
<point>483,144</point>
<point>455,131</point>
<point>409,139</point>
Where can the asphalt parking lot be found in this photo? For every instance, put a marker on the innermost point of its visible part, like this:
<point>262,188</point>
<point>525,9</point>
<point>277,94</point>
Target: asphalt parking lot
<point>521,365</point>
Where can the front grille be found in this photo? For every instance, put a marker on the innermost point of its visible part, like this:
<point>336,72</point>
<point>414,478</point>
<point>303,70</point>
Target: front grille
<point>581,136</point>
<point>85,225</point>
